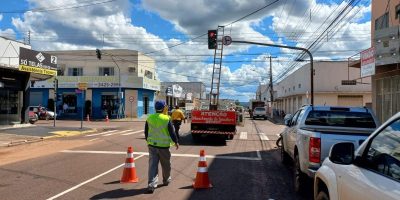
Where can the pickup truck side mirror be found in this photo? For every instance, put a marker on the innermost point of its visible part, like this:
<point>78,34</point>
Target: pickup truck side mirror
<point>287,119</point>
<point>342,153</point>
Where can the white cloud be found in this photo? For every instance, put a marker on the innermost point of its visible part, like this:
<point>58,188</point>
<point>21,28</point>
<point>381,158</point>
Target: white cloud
<point>110,26</point>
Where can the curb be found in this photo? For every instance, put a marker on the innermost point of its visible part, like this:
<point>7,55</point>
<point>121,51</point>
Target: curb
<point>21,142</point>
<point>17,126</point>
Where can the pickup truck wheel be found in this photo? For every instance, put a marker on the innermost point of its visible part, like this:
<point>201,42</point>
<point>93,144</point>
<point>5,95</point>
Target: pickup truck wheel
<point>322,196</point>
<point>284,156</point>
<point>300,179</point>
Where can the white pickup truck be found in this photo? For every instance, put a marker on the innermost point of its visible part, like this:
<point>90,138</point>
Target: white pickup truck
<point>311,132</point>
<point>370,172</point>
<point>259,112</point>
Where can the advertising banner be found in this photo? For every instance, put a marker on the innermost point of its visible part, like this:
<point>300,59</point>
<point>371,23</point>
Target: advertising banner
<point>37,62</point>
<point>368,62</point>
<point>213,117</point>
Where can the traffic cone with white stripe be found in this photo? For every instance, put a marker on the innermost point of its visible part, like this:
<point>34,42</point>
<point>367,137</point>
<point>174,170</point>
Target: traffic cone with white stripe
<point>129,174</point>
<point>202,181</point>
<point>107,120</point>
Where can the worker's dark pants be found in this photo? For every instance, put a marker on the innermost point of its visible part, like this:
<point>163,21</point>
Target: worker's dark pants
<point>177,126</point>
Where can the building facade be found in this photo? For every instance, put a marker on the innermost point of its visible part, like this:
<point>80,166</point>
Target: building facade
<point>14,79</point>
<point>122,83</point>
<point>294,91</point>
<point>385,21</point>
<point>179,92</point>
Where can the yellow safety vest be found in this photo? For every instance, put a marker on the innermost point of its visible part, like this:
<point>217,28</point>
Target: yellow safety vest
<point>158,134</point>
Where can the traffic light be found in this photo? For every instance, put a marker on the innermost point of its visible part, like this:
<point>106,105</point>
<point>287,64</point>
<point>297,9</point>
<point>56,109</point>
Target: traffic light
<point>349,82</point>
<point>55,82</point>
<point>212,39</point>
<point>98,53</point>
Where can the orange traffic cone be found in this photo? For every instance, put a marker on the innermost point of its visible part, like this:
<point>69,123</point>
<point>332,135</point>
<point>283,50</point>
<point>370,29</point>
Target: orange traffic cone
<point>107,120</point>
<point>202,181</point>
<point>87,118</point>
<point>129,174</point>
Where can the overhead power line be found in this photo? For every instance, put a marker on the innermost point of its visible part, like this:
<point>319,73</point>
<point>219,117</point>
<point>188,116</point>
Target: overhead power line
<point>63,7</point>
<point>266,6</point>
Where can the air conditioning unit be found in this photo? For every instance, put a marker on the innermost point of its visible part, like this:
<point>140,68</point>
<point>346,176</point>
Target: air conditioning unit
<point>131,69</point>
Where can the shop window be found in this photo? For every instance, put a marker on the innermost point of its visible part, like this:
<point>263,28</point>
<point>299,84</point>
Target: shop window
<point>76,71</point>
<point>109,105</point>
<point>8,102</point>
<point>69,103</point>
<point>148,74</point>
<point>106,71</point>
<point>382,22</point>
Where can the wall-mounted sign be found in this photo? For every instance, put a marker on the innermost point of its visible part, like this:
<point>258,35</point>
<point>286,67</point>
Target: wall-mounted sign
<point>37,62</point>
<point>368,62</point>
<point>82,86</point>
<point>168,91</point>
<point>177,91</point>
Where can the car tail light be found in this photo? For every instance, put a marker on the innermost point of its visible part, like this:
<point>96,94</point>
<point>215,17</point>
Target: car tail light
<point>314,150</point>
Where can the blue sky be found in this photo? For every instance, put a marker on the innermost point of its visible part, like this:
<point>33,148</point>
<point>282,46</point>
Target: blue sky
<point>153,26</point>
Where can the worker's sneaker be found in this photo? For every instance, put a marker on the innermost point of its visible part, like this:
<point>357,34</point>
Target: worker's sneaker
<point>166,183</point>
<point>150,190</point>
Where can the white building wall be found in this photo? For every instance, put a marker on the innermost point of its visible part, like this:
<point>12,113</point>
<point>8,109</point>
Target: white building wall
<point>9,52</point>
<point>295,89</point>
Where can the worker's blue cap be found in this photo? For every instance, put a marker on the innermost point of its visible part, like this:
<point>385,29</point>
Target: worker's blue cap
<point>160,105</point>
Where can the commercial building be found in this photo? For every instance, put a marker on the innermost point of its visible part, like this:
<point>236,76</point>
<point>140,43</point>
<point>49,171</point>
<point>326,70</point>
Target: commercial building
<point>294,91</point>
<point>19,65</point>
<point>385,21</point>
<point>180,92</point>
<point>121,84</point>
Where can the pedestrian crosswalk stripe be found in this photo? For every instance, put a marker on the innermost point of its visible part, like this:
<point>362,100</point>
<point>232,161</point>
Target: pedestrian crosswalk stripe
<point>243,136</point>
<point>263,136</point>
<point>131,133</point>
<point>119,132</point>
<point>102,133</point>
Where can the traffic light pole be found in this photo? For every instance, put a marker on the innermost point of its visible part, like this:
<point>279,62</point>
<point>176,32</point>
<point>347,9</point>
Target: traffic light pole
<point>290,47</point>
<point>55,100</point>
<point>119,89</point>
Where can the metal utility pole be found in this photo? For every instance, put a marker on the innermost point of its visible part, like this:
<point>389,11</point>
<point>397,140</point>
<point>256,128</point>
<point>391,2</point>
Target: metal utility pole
<point>270,80</point>
<point>271,87</point>
<point>55,100</point>
<point>119,89</point>
<point>290,47</point>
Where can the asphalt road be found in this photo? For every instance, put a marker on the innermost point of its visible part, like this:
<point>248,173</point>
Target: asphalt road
<point>247,167</point>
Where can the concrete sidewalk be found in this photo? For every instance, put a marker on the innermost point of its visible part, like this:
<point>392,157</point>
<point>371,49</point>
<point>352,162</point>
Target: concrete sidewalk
<point>25,133</point>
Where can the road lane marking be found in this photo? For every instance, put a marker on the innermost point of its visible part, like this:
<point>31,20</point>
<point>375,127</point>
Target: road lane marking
<point>93,139</point>
<point>100,133</point>
<point>90,180</point>
<point>263,137</point>
<point>258,158</point>
<point>119,132</point>
<point>243,136</point>
<point>131,133</point>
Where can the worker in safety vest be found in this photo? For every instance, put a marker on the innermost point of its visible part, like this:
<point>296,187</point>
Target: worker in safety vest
<point>177,117</point>
<point>160,135</point>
